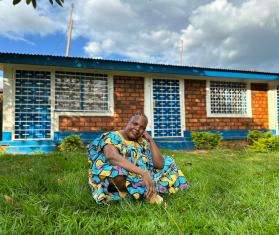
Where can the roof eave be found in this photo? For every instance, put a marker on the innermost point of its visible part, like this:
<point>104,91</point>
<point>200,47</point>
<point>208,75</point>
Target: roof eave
<point>136,67</point>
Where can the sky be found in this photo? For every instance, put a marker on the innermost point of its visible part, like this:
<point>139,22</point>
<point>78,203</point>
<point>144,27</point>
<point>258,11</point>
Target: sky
<point>229,34</point>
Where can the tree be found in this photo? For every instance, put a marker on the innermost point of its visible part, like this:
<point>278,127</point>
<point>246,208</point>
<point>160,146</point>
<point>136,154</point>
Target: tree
<point>34,2</point>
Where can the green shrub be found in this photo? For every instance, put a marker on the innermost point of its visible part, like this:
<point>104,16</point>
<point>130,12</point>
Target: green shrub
<point>206,140</point>
<point>72,143</point>
<point>255,135</point>
<point>266,144</point>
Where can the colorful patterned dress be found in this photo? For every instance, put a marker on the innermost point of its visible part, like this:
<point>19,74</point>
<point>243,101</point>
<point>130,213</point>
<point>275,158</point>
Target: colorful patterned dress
<point>166,180</point>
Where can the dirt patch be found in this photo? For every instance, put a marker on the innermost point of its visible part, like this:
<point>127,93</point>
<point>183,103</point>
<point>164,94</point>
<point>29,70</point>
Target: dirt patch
<point>234,144</point>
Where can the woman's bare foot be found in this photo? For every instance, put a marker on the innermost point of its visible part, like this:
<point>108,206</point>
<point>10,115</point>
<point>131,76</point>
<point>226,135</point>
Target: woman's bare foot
<point>155,199</point>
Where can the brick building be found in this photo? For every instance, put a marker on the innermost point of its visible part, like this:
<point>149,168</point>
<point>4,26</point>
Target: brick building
<point>49,97</point>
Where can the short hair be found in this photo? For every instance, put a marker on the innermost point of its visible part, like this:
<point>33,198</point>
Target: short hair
<point>140,114</point>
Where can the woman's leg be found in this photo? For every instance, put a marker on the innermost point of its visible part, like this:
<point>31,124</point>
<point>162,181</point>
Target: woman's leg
<point>170,178</point>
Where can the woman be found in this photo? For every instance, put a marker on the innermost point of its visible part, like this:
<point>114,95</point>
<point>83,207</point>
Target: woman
<point>128,162</point>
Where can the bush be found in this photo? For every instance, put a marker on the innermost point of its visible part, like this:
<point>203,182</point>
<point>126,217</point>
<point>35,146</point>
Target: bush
<point>206,140</point>
<point>266,144</point>
<point>256,135</point>
<point>72,143</point>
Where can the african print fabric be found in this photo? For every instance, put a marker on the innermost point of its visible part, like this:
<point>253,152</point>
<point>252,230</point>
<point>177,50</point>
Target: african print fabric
<point>169,179</point>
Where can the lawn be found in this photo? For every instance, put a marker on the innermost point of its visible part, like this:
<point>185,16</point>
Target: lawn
<point>232,192</point>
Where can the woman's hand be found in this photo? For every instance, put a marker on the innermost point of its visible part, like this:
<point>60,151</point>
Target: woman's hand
<point>146,136</point>
<point>157,158</point>
<point>149,184</point>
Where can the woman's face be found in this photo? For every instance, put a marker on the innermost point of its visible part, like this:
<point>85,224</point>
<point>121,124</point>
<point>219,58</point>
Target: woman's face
<point>135,127</point>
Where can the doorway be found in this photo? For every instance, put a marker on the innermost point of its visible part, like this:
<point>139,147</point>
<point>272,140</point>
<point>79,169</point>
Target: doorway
<point>166,108</point>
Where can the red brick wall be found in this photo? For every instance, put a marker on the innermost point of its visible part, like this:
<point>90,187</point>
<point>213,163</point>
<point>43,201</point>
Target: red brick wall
<point>259,106</point>
<point>195,109</point>
<point>128,99</point>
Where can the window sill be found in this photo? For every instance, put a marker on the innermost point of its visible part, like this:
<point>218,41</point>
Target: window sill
<point>228,116</point>
<point>85,113</point>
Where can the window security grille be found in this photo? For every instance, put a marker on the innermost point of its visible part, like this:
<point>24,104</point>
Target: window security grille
<point>81,92</point>
<point>166,96</point>
<point>228,98</point>
<point>32,105</point>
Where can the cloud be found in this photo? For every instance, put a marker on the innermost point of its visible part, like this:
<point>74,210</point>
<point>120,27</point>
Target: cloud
<point>138,30</point>
<point>18,21</point>
<point>216,33</point>
<point>238,36</point>
<point>98,47</point>
<point>220,33</point>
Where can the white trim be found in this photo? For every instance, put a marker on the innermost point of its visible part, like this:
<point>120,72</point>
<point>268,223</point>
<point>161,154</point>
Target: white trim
<point>152,107</point>
<point>207,99</point>
<point>182,105</point>
<point>53,124</point>
<point>8,123</point>
<point>148,102</point>
<point>87,114</point>
<point>248,98</point>
<point>272,107</point>
<point>13,79</point>
<point>111,95</point>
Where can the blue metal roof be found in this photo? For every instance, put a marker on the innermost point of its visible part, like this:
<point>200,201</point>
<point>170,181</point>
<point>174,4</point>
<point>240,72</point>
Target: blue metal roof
<point>127,66</point>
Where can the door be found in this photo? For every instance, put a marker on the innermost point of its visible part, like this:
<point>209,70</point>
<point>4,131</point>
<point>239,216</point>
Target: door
<point>32,105</point>
<point>166,108</point>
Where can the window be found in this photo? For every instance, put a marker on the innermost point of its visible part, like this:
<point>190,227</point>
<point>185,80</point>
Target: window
<point>228,99</point>
<point>86,92</point>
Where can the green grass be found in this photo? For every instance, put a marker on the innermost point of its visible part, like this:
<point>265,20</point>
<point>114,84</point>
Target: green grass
<point>232,192</point>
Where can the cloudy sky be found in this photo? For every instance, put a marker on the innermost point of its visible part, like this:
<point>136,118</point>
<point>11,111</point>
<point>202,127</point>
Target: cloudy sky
<point>217,33</point>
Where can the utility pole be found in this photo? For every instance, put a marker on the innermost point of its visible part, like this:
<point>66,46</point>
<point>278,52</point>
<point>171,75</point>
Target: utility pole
<point>181,52</point>
<point>69,31</point>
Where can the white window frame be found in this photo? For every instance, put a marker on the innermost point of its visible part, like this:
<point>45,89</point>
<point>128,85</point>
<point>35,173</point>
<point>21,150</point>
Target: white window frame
<point>248,100</point>
<point>110,111</point>
<point>273,107</point>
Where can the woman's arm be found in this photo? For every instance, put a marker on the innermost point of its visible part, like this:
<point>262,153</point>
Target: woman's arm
<point>157,158</point>
<point>117,159</point>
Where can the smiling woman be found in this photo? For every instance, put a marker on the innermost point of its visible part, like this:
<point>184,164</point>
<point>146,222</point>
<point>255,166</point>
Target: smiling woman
<point>128,163</point>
